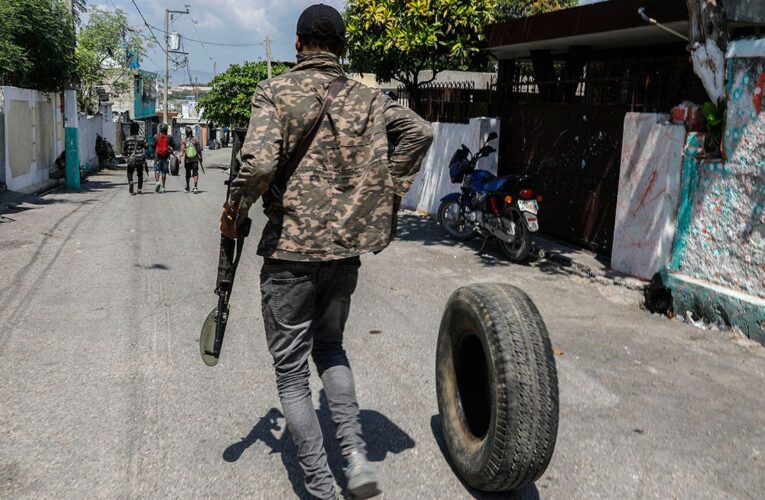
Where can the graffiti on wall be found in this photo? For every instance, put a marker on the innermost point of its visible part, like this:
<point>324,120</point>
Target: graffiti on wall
<point>726,234</point>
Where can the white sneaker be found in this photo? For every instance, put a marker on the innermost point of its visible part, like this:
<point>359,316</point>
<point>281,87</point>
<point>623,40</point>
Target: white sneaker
<point>158,187</point>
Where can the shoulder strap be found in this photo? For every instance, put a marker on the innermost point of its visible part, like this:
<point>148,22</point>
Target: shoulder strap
<point>292,164</point>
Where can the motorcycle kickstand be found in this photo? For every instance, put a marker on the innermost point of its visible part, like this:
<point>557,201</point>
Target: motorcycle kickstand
<point>483,246</point>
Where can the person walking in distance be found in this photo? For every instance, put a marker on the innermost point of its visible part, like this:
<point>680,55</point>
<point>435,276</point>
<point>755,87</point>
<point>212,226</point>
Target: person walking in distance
<point>330,158</point>
<point>163,148</point>
<point>134,149</point>
<point>191,155</point>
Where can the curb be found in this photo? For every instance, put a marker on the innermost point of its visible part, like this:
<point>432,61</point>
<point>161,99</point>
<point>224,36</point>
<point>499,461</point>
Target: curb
<point>604,278</point>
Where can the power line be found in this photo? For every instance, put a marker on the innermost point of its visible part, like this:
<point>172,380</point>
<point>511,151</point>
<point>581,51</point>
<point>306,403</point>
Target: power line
<point>191,80</point>
<point>148,26</point>
<point>203,42</point>
<point>194,24</point>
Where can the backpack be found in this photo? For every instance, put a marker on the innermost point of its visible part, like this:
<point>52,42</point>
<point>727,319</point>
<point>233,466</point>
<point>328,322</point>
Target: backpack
<point>163,147</point>
<point>135,150</point>
<point>191,150</point>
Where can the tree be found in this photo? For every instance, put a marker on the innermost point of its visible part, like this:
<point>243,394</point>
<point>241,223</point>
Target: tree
<point>107,50</point>
<point>399,39</point>
<point>37,41</point>
<point>229,100</point>
<point>524,8</point>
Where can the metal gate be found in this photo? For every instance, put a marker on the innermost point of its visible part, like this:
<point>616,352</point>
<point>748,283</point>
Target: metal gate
<point>574,153</point>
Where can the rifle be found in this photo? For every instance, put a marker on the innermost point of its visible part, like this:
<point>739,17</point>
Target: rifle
<point>214,327</point>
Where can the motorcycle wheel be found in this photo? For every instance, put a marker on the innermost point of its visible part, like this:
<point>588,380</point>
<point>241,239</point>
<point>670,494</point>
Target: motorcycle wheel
<point>518,249</point>
<point>449,215</point>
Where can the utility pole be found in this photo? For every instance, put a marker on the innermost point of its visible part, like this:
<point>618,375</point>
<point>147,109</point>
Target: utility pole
<point>267,43</point>
<point>167,68</point>
<point>71,134</point>
<point>168,14</point>
<point>215,65</point>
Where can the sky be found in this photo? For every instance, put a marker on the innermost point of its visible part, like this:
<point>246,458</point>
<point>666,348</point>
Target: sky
<point>220,21</point>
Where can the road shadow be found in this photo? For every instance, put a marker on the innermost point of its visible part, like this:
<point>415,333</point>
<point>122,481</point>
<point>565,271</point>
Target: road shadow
<point>11,203</point>
<point>381,434</point>
<point>153,267</point>
<point>549,255</point>
<point>528,493</point>
<point>428,232</point>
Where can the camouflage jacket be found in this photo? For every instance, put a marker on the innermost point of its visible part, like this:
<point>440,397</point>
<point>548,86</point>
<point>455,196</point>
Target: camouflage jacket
<point>340,201</point>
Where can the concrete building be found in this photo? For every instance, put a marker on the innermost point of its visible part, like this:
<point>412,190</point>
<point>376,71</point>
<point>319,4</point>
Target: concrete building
<point>140,100</point>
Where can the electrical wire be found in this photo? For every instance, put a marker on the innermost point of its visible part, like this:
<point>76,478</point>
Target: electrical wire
<point>149,26</point>
<point>204,48</point>
<point>191,81</point>
<point>215,43</point>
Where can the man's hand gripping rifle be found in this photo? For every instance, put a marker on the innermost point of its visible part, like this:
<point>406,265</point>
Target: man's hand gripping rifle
<point>233,234</point>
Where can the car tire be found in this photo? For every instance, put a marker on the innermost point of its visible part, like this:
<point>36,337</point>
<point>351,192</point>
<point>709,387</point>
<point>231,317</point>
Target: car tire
<point>497,387</point>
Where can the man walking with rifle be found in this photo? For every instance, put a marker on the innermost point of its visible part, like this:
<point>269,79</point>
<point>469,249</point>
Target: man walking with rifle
<point>330,158</point>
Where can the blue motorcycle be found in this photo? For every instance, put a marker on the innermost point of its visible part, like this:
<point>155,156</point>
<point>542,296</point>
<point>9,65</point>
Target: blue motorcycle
<point>501,209</point>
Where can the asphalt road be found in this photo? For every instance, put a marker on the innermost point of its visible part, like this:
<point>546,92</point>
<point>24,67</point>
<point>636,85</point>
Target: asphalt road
<point>103,393</point>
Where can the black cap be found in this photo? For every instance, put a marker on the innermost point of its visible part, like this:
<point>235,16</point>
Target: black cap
<point>321,21</point>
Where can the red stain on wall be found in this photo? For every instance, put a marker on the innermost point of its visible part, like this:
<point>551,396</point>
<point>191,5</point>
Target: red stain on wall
<point>651,183</point>
<point>758,95</point>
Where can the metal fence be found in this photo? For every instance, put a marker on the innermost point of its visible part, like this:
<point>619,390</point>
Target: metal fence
<point>646,84</point>
<point>448,102</point>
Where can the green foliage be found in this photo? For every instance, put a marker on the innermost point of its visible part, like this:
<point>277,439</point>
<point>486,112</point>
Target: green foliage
<point>228,103</point>
<point>106,47</point>
<point>524,8</point>
<point>37,44</point>
<point>399,38</point>
<point>715,119</point>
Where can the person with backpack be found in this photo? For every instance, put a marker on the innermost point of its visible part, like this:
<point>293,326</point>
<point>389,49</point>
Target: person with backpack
<point>191,155</point>
<point>163,148</point>
<point>134,149</point>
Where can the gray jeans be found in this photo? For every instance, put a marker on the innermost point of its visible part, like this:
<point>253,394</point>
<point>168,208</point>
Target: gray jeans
<point>305,307</point>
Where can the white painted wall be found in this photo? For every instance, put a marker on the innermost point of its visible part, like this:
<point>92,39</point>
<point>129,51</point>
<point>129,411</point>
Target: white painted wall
<point>33,136</point>
<point>433,181</point>
<point>649,189</point>
<point>90,128</point>
<point>108,127</point>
